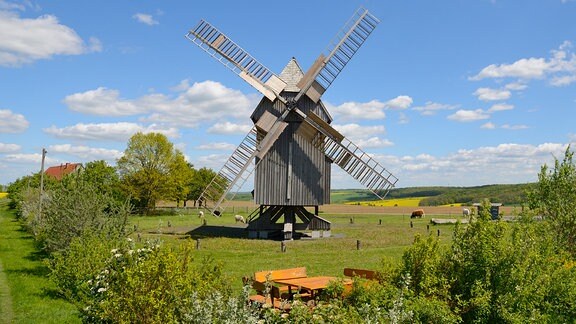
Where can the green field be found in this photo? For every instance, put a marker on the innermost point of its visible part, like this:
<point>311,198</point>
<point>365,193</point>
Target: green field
<point>381,237</point>
<point>27,295</point>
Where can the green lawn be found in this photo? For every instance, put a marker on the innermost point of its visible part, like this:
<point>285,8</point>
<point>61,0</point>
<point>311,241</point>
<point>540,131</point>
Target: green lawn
<point>26,294</point>
<point>329,256</point>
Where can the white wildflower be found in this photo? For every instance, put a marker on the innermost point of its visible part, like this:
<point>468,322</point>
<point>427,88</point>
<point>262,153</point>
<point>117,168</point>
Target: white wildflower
<point>113,251</point>
<point>101,290</point>
<point>117,255</point>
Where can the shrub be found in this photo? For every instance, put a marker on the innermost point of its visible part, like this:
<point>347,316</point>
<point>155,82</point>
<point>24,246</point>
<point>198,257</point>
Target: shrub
<point>86,256</point>
<point>76,207</point>
<point>152,285</point>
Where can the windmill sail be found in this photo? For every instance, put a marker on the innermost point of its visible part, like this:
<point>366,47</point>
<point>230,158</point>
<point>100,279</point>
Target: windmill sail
<point>348,156</point>
<point>232,176</point>
<point>224,50</point>
<point>340,51</point>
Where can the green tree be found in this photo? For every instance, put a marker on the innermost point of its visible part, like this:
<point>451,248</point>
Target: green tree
<point>555,199</point>
<point>147,169</point>
<point>200,181</point>
<point>182,176</point>
<point>104,177</point>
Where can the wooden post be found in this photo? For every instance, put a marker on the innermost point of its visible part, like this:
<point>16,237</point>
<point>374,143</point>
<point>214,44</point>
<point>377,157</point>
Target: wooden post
<point>204,222</point>
<point>438,232</point>
<point>197,244</point>
<point>282,246</point>
<point>428,228</point>
<point>411,224</point>
<point>358,245</point>
<point>41,183</point>
<point>380,223</point>
<point>351,220</point>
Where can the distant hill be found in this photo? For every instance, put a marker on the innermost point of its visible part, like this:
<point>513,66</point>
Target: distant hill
<point>507,194</point>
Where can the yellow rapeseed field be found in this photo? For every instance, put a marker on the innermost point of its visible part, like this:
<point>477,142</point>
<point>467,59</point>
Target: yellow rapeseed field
<point>401,202</point>
<point>3,195</point>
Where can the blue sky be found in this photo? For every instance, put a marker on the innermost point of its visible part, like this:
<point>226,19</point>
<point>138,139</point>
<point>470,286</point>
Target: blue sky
<point>456,93</point>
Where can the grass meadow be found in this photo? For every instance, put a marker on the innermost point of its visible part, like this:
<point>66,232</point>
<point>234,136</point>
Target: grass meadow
<point>27,296</point>
<point>381,237</point>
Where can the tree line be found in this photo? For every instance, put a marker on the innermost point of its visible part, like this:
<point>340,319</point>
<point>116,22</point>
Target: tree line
<point>150,170</point>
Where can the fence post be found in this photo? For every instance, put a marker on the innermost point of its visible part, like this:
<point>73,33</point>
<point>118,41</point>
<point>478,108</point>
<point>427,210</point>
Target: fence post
<point>282,246</point>
<point>197,244</point>
<point>358,245</point>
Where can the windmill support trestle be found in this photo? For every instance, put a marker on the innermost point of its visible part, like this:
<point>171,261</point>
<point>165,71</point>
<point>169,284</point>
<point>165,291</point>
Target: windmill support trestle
<point>285,222</point>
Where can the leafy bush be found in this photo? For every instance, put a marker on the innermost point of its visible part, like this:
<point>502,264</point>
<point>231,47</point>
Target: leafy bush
<point>152,285</point>
<point>76,207</point>
<point>86,256</point>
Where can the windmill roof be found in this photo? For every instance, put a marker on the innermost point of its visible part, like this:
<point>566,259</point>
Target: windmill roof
<point>291,74</point>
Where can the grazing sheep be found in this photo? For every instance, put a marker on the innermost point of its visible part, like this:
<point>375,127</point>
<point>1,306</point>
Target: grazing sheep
<point>465,212</point>
<point>239,218</point>
<point>200,214</point>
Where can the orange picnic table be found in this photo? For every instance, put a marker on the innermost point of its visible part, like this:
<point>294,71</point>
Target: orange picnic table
<point>312,284</point>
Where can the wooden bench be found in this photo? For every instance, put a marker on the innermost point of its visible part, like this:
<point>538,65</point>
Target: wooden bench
<point>281,274</point>
<point>361,273</point>
<point>270,298</point>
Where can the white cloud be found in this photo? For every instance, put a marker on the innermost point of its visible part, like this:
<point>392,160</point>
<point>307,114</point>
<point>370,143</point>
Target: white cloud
<point>370,110</point>
<point>357,131</point>
<point>33,158</point>
<point>102,102</point>
<point>398,103</point>
<point>488,125</point>
<point>524,68</point>
<point>373,142</point>
<point>84,152</point>
<point>11,122</point>
<point>560,67</point>
<point>121,131</point>
<point>356,110</point>
<point>504,163</point>
<point>469,115</point>
<point>488,94</point>
<point>193,105</point>
<point>25,40</point>
<point>200,103</point>
<point>564,80</point>
<point>221,146</point>
<point>431,108</point>
<point>364,136</point>
<point>516,86</point>
<point>514,127</point>
<point>9,148</point>
<point>229,128</point>
<point>145,19</point>
<point>500,107</point>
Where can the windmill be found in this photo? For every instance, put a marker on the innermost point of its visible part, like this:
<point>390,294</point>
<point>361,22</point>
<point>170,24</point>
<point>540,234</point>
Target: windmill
<point>291,146</point>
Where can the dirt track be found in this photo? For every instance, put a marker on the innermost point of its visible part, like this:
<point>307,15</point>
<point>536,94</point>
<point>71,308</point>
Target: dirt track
<point>353,209</point>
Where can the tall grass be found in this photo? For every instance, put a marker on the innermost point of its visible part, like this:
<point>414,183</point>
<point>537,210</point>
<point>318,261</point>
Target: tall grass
<point>31,294</point>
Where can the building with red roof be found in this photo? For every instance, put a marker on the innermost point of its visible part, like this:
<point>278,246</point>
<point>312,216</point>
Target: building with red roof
<point>58,172</point>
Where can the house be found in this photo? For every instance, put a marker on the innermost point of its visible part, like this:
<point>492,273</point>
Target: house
<point>58,172</point>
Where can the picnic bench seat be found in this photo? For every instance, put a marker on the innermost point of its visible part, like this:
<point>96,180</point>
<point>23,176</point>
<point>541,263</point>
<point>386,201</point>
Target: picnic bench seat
<point>270,298</point>
<point>272,275</point>
<point>362,273</point>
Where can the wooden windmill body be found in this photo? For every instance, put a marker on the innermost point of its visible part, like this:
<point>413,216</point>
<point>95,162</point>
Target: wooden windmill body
<point>292,145</point>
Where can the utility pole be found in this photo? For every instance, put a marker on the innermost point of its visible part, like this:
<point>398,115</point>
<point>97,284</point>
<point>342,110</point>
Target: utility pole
<point>41,183</point>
